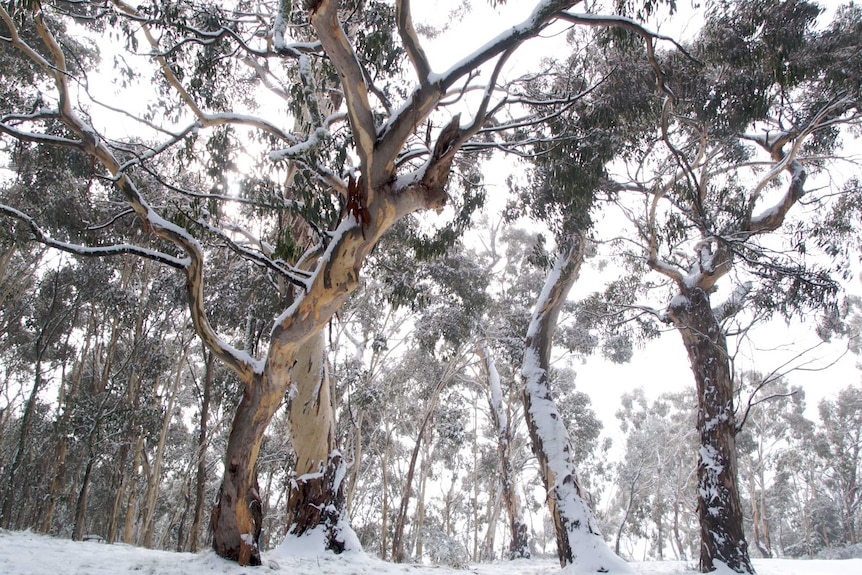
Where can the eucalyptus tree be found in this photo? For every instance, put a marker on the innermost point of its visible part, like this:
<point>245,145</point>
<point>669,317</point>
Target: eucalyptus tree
<point>771,413</point>
<point>741,130</point>
<point>373,161</point>
<point>45,344</point>
<point>568,176</point>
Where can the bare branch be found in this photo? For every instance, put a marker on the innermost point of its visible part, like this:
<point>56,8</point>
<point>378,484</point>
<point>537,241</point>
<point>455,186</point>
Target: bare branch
<point>324,18</point>
<point>411,41</point>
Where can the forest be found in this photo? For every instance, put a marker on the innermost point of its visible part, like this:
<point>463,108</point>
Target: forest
<point>326,271</point>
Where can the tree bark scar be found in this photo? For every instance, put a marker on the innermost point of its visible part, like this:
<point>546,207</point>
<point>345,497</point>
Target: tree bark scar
<point>357,203</point>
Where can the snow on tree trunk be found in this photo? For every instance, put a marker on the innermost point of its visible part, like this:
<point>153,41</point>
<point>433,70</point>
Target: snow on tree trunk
<point>317,497</point>
<point>579,541</point>
<point>519,547</point>
<point>719,511</point>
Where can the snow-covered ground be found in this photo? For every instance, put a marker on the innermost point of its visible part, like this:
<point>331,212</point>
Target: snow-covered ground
<point>25,553</point>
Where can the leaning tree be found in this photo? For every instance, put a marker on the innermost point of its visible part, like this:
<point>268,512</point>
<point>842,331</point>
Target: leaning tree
<point>284,136</point>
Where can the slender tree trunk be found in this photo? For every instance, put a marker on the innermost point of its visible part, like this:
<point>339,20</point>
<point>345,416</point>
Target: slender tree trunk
<point>119,495</point>
<point>681,554</point>
<point>474,504</point>
<point>155,478</point>
<point>357,461</point>
<point>384,508</point>
<point>492,515</point>
<point>400,522</point>
<point>132,498</point>
<point>201,480</point>
<point>519,546</point>
<point>757,519</point>
<point>632,490</point>
<point>718,507</point>
<point>424,472</point>
<point>187,500</point>
<point>21,449</point>
<point>65,401</point>
<point>81,504</point>
<point>579,540</point>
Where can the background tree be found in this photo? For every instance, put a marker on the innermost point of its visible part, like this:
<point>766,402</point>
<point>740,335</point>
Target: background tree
<point>742,128</point>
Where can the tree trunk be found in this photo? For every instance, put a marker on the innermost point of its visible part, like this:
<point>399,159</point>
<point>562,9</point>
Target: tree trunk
<point>20,451</point>
<point>632,490</point>
<point>401,520</point>
<point>384,509</point>
<point>492,516</point>
<point>236,523</point>
<point>65,403</point>
<point>519,547</point>
<point>317,491</point>
<point>81,503</point>
<point>579,540</point>
<point>424,472</point>
<point>201,480</point>
<point>156,474</point>
<point>129,525</point>
<point>357,460</point>
<point>718,507</point>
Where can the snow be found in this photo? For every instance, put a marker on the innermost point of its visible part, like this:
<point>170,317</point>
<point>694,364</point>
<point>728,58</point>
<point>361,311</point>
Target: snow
<point>26,553</point>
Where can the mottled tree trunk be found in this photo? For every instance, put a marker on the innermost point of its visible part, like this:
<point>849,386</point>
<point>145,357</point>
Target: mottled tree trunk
<point>759,524</point>
<point>236,518</point>
<point>718,507</point>
<point>317,493</point>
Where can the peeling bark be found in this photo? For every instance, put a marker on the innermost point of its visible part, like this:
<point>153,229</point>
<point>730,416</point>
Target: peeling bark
<point>235,525</point>
<point>317,497</point>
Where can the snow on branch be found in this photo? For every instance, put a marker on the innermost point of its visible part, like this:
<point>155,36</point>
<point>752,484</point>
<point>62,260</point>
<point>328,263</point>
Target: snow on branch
<point>91,143</point>
<point>428,95</point>
<point>773,217</point>
<point>733,303</point>
<point>92,251</point>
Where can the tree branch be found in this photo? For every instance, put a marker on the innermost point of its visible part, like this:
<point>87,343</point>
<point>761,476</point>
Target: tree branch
<point>411,41</point>
<point>113,250</point>
<point>93,145</point>
<point>324,18</point>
